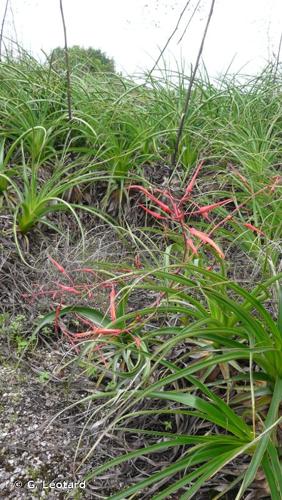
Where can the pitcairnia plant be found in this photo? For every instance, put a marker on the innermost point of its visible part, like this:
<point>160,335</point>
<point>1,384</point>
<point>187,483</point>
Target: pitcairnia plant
<point>233,333</point>
<point>174,211</point>
<point>227,331</point>
<point>171,210</point>
<point>117,350</point>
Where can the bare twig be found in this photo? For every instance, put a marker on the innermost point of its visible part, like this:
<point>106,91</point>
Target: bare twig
<point>189,91</point>
<point>170,38</point>
<point>2,27</point>
<point>68,78</point>
<point>278,57</point>
<point>188,24</point>
<point>15,35</point>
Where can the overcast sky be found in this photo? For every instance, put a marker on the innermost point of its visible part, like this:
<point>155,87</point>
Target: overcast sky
<point>133,31</point>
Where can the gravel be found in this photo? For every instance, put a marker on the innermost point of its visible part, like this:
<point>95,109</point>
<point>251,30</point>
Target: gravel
<point>36,451</point>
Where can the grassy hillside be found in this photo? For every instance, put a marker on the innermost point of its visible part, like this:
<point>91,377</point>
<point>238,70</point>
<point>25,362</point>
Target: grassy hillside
<point>180,328</point>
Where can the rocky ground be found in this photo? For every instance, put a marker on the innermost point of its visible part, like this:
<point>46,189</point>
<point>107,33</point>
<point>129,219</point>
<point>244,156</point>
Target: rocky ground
<point>37,449</point>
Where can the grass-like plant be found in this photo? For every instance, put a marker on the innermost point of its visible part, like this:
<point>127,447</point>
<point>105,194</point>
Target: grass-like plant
<point>226,327</point>
<point>235,333</point>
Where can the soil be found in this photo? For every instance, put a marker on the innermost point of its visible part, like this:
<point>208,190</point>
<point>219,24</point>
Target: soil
<point>35,451</point>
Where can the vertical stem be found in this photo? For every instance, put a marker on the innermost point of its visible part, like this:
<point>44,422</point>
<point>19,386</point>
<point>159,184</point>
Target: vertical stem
<point>189,91</point>
<point>2,27</point>
<point>68,78</point>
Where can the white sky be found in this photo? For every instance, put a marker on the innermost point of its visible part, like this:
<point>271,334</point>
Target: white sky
<point>133,31</point>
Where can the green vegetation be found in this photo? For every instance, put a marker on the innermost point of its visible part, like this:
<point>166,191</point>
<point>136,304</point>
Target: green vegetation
<point>202,349</point>
<point>87,60</point>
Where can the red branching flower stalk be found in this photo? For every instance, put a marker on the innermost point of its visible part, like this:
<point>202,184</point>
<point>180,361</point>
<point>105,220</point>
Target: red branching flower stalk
<point>173,210</point>
<point>81,290</point>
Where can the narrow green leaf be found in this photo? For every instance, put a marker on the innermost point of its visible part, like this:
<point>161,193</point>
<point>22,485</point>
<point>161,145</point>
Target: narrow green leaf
<point>87,312</point>
<point>263,443</point>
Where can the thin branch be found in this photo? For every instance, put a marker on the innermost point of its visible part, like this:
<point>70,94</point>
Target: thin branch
<point>170,38</point>
<point>188,24</point>
<point>278,57</point>
<point>14,24</point>
<point>68,78</point>
<point>2,27</point>
<point>189,91</point>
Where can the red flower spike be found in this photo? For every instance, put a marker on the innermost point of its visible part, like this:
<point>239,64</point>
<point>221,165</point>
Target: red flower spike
<point>69,289</point>
<point>60,268</point>
<point>204,211</point>
<point>178,215</point>
<point>108,331</point>
<point>98,331</point>
<point>206,239</point>
<point>112,304</point>
<point>254,229</point>
<point>191,184</point>
<point>151,212</point>
<point>153,198</point>
<point>57,265</point>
